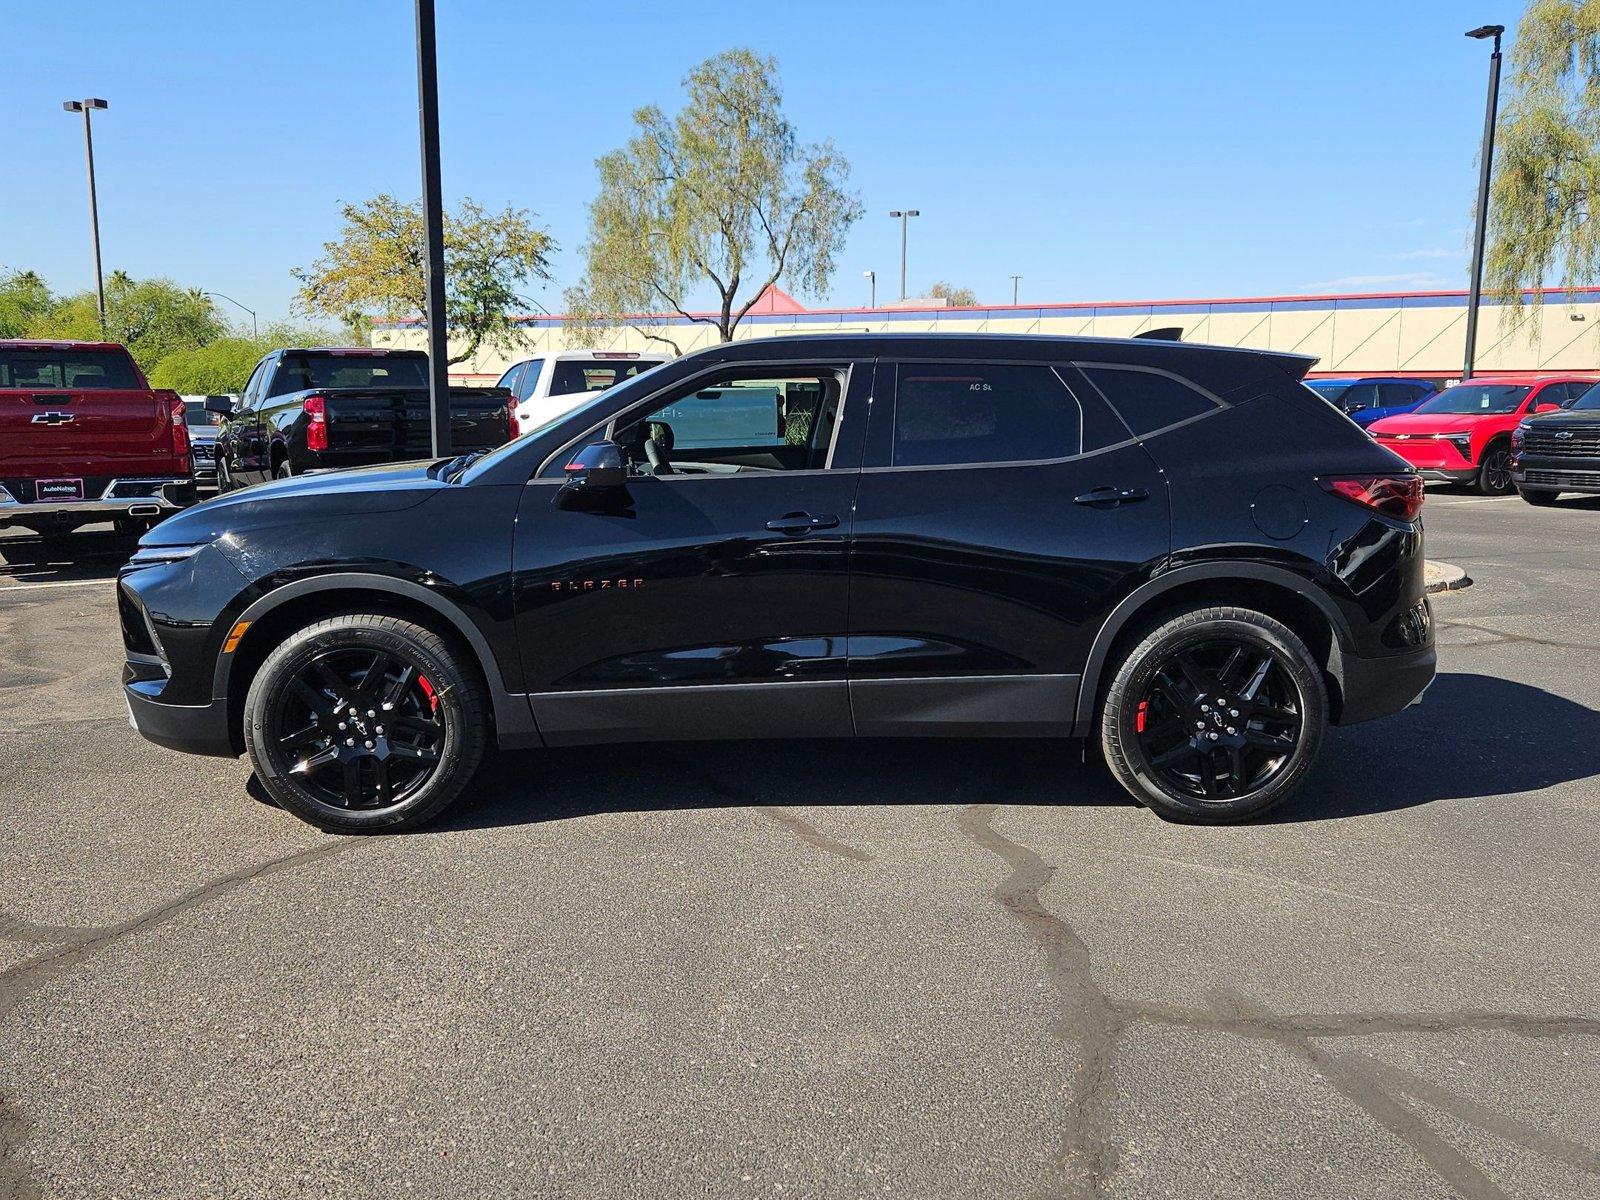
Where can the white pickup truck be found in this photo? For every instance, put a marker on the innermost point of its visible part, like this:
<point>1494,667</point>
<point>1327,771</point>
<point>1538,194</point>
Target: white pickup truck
<point>544,388</point>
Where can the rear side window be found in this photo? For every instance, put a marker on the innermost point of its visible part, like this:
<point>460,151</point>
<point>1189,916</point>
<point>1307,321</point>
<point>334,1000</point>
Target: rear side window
<point>72,369</point>
<point>949,414</point>
<point>1148,400</point>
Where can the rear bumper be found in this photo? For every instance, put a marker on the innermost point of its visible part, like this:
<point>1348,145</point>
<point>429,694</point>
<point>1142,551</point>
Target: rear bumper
<point>1378,687</point>
<point>156,496</point>
<point>193,729</point>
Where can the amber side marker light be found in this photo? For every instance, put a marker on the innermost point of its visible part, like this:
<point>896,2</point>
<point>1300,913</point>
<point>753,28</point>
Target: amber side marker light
<point>234,634</point>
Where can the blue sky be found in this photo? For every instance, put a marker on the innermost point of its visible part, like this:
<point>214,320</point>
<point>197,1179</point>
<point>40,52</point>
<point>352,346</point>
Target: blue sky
<point>1102,151</point>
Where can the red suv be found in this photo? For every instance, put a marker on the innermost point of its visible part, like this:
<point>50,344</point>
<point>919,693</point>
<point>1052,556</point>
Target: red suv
<point>1463,435</point>
<point>83,438</point>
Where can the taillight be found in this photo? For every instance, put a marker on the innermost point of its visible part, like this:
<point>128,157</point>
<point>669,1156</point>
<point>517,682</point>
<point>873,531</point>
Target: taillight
<point>180,429</point>
<point>316,410</point>
<point>513,426</point>
<point>1398,496</point>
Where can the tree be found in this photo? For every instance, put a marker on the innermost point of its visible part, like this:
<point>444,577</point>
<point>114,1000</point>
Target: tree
<point>1546,185</point>
<point>960,297</point>
<point>721,196</point>
<point>225,364</point>
<point>152,317</point>
<point>380,263</point>
<point>218,367</point>
<point>24,300</point>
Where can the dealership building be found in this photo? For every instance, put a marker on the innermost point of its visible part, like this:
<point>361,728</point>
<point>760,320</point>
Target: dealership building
<point>1413,334</point>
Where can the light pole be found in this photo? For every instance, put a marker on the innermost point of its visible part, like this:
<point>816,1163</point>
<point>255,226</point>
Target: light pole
<point>86,107</point>
<point>904,215</point>
<point>873,277</point>
<point>1487,160</point>
<point>1015,279</point>
<point>255,332</point>
<point>433,228</point>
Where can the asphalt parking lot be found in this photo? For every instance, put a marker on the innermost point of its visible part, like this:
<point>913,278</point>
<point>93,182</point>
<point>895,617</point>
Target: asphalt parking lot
<point>819,969</point>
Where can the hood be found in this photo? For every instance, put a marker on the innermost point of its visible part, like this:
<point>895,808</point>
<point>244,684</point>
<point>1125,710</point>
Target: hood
<point>1587,418</point>
<point>388,487</point>
<point>1423,424</point>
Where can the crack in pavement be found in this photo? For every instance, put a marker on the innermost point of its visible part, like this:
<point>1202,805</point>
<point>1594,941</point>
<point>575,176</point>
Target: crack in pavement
<point>792,821</point>
<point>1383,1092</point>
<point>1503,637</point>
<point>82,942</point>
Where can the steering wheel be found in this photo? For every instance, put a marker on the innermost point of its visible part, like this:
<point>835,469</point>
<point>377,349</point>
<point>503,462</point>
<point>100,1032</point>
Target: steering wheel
<point>658,458</point>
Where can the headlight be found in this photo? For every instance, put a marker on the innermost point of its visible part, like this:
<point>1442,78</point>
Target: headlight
<point>1461,441</point>
<point>154,556</point>
<point>1519,435</point>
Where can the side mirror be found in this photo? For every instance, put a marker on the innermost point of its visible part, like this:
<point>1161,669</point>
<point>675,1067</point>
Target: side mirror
<point>1356,408</point>
<point>220,404</point>
<point>597,466</point>
<point>1546,407</point>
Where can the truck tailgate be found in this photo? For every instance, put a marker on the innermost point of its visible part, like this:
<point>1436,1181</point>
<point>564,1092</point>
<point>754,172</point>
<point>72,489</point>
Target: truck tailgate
<point>87,432</point>
<point>395,424</point>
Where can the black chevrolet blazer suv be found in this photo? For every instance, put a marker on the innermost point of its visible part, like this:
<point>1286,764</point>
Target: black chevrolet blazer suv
<point>1176,551</point>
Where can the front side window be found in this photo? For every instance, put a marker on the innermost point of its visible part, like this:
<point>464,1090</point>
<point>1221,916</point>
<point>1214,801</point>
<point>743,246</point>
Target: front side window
<point>952,414</point>
<point>510,378</point>
<point>739,422</point>
<point>49,370</point>
<point>1477,399</point>
<point>1398,395</point>
<point>1150,400</point>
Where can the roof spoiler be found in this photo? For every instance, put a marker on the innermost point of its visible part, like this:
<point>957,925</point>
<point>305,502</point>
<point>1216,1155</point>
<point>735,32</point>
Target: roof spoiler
<point>1168,333</point>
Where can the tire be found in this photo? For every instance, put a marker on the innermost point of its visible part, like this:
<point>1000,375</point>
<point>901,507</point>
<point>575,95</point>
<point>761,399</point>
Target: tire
<point>283,470</point>
<point>1540,499</point>
<point>1494,470</point>
<point>293,730</point>
<point>1151,721</point>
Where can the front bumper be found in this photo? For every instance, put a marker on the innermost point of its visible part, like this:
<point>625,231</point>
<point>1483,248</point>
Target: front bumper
<point>157,496</point>
<point>193,729</point>
<point>1378,687</point>
<point>1434,458</point>
<point>1551,474</point>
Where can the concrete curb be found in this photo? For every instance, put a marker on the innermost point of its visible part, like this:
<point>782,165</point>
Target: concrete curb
<point>1444,577</point>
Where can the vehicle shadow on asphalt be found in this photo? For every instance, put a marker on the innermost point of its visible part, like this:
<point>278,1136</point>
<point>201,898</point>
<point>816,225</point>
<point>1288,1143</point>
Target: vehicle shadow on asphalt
<point>1473,736</point>
<point>27,558</point>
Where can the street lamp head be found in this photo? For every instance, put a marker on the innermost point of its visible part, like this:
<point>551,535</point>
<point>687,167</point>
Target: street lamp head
<point>869,273</point>
<point>895,212</point>
<point>1486,31</point>
<point>80,105</point>
<point>909,212</point>
<point>912,212</point>
<point>95,102</point>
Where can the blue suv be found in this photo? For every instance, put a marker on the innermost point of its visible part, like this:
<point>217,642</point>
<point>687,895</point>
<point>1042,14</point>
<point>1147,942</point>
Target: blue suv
<point>1372,398</point>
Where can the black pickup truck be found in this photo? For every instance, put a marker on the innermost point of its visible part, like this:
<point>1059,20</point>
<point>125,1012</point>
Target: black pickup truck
<point>318,409</point>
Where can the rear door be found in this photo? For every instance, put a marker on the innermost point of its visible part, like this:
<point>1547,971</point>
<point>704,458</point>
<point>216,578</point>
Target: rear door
<point>1003,513</point>
<point>84,413</point>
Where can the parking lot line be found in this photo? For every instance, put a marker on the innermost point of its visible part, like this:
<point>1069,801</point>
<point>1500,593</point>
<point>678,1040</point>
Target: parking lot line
<point>6,588</point>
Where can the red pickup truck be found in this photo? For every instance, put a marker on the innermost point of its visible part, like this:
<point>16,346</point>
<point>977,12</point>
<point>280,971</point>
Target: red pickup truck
<point>84,438</point>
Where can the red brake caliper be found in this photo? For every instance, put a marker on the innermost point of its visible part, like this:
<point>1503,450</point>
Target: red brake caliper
<point>1138,720</point>
<point>433,696</point>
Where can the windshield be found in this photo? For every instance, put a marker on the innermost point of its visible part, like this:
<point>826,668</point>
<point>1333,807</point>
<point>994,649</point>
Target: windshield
<point>1328,391</point>
<point>194,413</point>
<point>1589,400</point>
<point>1477,399</point>
<point>574,415</point>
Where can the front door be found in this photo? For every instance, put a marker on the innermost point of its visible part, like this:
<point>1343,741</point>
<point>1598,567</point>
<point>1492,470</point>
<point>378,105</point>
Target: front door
<point>1002,514</point>
<point>709,594</point>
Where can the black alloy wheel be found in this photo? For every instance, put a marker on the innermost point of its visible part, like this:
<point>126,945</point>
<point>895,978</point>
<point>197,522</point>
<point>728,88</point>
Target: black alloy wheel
<point>1494,475</point>
<point>360,727</point>
<point>1219,719</point>
<point>1216,714</point>
<point>366,723</point>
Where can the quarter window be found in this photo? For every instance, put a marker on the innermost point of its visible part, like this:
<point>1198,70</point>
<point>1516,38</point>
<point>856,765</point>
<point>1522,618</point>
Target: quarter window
<point>949,414</point>
<point>1148,400</point>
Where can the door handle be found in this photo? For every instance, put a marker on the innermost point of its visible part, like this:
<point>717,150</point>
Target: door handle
<point>799,522</point>
<point>1109,497</point>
